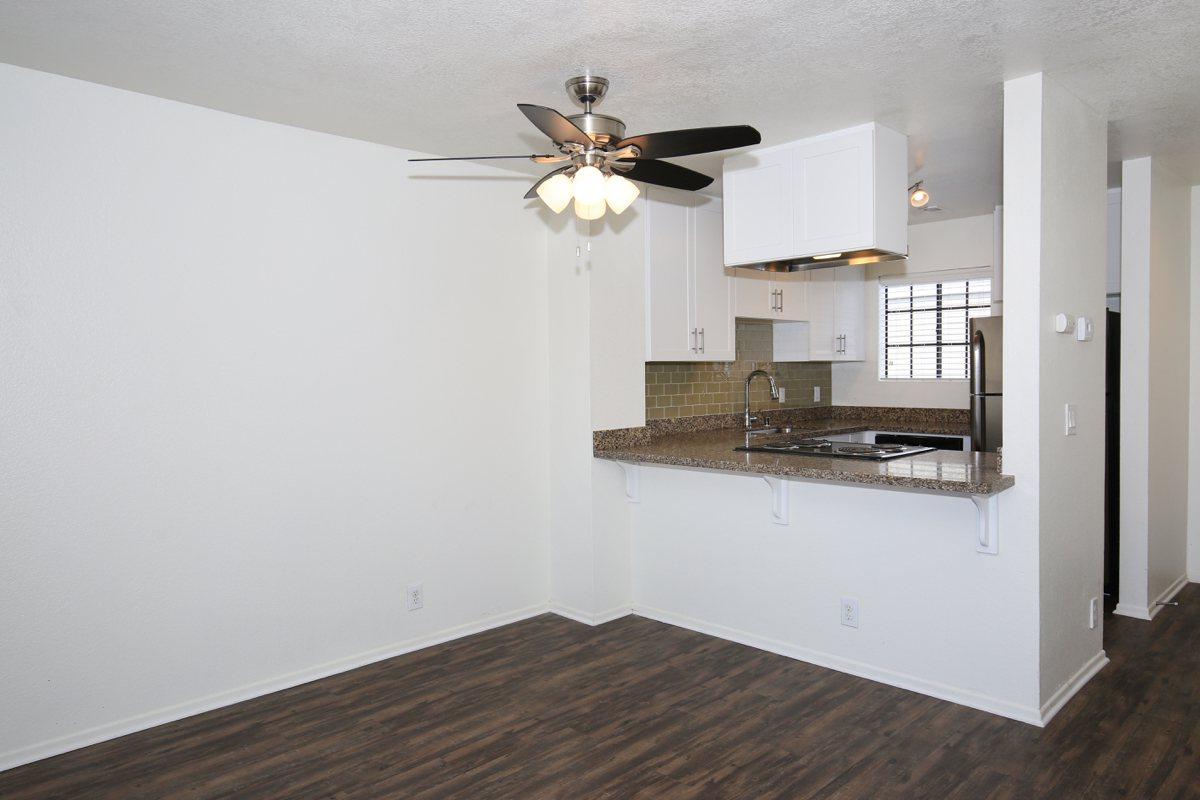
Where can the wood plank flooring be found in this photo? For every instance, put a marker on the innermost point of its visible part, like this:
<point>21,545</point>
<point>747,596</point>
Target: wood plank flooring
<point>549,708</point>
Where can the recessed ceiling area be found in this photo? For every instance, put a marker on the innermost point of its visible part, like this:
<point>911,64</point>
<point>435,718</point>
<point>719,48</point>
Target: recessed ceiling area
<point>444,77</point>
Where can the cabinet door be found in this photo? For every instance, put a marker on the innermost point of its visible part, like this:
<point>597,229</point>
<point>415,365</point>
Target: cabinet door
<point>753,291</point>
<point>714,290</point>
<point>834,193</point>
<point>848,310</point>
<point>758,202</point>
<point>669,332</point>
<point>822,344</point>
<point>791,296</point>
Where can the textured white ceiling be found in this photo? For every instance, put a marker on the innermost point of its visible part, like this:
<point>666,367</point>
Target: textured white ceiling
<point>443,76</point>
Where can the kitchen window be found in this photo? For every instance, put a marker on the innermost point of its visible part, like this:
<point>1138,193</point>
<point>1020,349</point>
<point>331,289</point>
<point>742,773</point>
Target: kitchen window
<point>923,326</point>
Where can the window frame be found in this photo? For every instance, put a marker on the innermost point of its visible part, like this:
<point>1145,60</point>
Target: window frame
<point>916,279</point>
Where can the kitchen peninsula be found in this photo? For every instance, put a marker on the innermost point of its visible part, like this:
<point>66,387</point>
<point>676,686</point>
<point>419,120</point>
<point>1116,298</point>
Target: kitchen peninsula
<point>893,569</point>
<point>710,442</point>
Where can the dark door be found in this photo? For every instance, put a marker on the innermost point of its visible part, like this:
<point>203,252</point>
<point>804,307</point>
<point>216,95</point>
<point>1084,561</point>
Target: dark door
<point>1112,455</point>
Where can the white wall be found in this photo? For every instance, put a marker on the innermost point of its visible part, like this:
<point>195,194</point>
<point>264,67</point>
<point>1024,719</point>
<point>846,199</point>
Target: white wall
<point>1054,245</point>
<point>1194,395</point>
<point>251,375</point>
<point>932,247</point>
<point>1155,306</point>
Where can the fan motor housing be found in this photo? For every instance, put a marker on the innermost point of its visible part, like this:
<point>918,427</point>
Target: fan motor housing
<point>602,128</point>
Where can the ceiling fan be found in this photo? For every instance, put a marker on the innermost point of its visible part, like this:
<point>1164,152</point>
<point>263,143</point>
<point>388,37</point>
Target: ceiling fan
<point>600,160</point>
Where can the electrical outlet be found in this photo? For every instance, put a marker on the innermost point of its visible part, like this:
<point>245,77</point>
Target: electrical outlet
<point>782,394</point>
<point>416,596</point>
<point>849,612</point>
<point>816,394</point>
<point>1093,612</point>
<point>1069,419</point>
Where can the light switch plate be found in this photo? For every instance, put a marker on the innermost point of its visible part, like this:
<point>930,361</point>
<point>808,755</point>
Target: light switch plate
<point>816,394</point>
<point>1069,419</point>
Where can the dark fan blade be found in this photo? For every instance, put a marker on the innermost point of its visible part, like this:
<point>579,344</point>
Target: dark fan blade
<point>532,193</point>
<point>555,125</point>
<point>669,144</point>
<point>478,158</point>
<point>664,173</point>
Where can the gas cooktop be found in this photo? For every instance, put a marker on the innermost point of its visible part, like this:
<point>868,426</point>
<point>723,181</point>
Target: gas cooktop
<point>826,448</point>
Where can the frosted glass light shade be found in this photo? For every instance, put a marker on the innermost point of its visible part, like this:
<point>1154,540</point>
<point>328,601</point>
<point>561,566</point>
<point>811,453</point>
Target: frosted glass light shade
<point>589,210</point>
<point>589,186</point>
<point>619,192</point>
<point>556,192</point>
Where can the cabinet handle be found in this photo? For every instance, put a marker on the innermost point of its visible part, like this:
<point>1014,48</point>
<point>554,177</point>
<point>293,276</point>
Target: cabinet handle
<point>781,301</point>
<point>702,340</point>
<point>694,340</point>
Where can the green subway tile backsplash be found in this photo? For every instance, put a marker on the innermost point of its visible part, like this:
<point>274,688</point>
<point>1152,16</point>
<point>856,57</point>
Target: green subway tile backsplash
<point>688,389</point>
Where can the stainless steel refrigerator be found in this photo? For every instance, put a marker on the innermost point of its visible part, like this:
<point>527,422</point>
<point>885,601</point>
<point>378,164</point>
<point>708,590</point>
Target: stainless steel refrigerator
<point>987,383</point>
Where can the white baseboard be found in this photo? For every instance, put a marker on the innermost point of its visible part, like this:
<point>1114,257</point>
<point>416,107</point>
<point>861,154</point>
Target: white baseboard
<point>588,618</point>
<point>1072,686</point>
<point>954,694</point>
<point>1132,611</point>
<point>1151,611</point>
<point>161,716</point>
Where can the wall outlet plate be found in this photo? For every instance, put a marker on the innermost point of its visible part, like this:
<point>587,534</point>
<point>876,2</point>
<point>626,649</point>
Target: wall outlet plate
<point>782,394</point>
<point>816,394</point>
<point>415,596</point>
<point>849,612</point>
<point>1093,612</point>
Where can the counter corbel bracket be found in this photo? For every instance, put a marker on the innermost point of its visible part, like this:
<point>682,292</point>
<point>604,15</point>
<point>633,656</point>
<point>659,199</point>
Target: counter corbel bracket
<point>780,507</point>
<point>633,481</point>
<point>987,507</point>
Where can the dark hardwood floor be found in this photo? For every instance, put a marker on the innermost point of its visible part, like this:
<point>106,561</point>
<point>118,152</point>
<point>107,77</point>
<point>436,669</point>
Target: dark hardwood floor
<point>552,709</point>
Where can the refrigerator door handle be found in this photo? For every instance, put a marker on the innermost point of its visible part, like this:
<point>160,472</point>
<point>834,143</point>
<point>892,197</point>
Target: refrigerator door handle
<point>977,355</point>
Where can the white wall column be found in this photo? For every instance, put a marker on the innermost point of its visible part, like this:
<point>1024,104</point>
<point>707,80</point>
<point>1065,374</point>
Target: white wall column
<point>1054,261</point>
<point>1155,305</point>
<point>596,380</point>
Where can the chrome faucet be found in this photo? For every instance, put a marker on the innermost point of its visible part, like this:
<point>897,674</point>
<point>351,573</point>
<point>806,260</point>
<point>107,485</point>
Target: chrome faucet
<point>750,379</point>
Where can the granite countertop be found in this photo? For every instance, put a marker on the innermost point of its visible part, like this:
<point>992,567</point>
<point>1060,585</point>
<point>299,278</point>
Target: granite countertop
<point>938,470</point>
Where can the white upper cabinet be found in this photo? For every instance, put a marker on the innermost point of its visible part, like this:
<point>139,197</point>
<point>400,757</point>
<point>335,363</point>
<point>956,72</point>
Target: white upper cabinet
<point>754,293</point>
<point>713,298</point>
<point>670,333</point>
<point>758,224</point>
<point>689,298</point>
<point>841,192</point>
<point>836,314</point>
<point>779,296</point>
<point>833,193</point>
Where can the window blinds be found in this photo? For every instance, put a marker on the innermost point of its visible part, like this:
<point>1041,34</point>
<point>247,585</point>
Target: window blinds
<point>923,327</point>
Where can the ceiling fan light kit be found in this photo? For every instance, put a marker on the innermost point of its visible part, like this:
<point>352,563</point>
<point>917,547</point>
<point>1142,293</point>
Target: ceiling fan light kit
<point>556,192</point>
<point>619,193</point>
<point>603,163</point>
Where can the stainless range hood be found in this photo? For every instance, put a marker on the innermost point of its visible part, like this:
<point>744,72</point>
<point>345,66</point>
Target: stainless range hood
<point>849,258</point>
